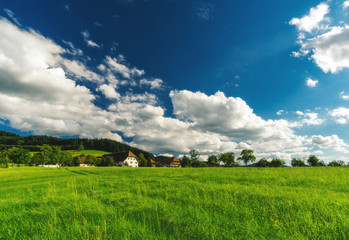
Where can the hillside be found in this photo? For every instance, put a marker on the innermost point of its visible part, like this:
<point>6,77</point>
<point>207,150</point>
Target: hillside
<point>33,143</point>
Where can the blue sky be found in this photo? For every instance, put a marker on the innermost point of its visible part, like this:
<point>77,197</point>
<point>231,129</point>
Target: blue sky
<point>170,76</point>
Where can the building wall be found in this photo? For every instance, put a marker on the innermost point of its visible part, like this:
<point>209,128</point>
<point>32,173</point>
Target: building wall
<point>131,162</point>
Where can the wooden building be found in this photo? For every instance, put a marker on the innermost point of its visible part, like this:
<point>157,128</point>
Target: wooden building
<point>169,161</point>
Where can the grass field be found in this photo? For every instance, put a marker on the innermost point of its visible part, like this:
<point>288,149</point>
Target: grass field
<point>96,153</point>
<point>74,153</point>
<point>163,203</point>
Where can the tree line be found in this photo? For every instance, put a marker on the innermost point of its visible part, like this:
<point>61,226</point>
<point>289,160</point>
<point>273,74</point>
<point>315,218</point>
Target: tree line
<point>228,159</point>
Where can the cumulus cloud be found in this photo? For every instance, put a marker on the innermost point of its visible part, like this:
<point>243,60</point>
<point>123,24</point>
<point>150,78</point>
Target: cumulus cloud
<point>328,48</point>
<point>341,115</point>
<point>311,83</point>
<point>153,84</point>
<point>330,142</point>
<point>35,92</point>
<point>308,119</point>
<point>39,93</point>
<point>86,35</point>
<point>109,91</point>
<point>231,118</point>
<point>312,20</point>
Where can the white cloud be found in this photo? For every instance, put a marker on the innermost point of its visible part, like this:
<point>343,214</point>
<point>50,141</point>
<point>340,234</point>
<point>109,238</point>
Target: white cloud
<point>311,83</point>
<point>153,84</point>
<point>73,50</point>
<point>86,35</point>
<point>308,119</point>
<point>117,66</point>
<point>231,118</point>
<point>312,21</point>
<point>345,4</point>
<point>280,112</point>
<point>36,94</point>
<point>344,96</point>
<point>341,115</point>
<point>299,113</point>
<point>11,15</point>
<point>109,91</point>
<point>329,142</point>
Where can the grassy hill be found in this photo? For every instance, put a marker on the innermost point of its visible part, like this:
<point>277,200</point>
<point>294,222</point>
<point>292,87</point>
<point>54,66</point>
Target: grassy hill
<point>96,153</point>
<point>163,203</point>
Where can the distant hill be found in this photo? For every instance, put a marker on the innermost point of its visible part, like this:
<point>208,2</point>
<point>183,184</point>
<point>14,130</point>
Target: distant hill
<point>33,143</point>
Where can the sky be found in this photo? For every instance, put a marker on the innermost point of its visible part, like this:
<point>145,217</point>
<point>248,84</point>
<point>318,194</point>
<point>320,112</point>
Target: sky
<point>169,76</point>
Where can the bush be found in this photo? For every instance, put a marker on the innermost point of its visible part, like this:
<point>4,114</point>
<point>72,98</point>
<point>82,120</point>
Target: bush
<point>276,163</point>
<point>335,163</point>
<point>262,163</point>
<point>297,163</point>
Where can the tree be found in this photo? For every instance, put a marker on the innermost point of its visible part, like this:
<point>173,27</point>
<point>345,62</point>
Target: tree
<point>149,162</point>
<point>4,159</point>
<point>186,162</point>
<point>107,161</point>
<point>76,161</point>
<point>313,161</point>
<point>335,163</point>
<point>227,158</point>
<point>212,161</point>
<point>321,164</point>
<point>297,163</point>
<point>276,163</point>
<point>262,163</point>
<point>194,157</point>
<point>247,156</point>
<point>65,158</point>
<point>142,162</point>
<point>18,155</point>
<point>81,147</point>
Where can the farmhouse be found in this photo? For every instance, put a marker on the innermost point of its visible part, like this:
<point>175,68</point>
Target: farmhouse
<point>169,161</point>
<point>124,159</point>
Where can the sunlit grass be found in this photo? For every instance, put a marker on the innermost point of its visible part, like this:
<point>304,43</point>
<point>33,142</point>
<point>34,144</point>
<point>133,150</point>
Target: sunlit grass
<point>162,203</point>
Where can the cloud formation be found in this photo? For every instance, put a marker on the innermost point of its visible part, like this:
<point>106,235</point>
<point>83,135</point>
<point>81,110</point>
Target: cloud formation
<point>312,20</point>
<point>311,83</point>
<point>341,115</point>
<point>328,46</point>
<point>41,91</point>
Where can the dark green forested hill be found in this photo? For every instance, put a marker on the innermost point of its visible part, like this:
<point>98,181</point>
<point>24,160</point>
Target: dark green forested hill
<point>33,143</point>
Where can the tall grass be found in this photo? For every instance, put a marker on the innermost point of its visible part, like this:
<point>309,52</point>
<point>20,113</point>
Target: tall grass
<point>162,203</point>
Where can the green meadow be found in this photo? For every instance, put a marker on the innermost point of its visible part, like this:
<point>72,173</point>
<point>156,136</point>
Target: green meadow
<point>164,203</point>
<point>96,153</point>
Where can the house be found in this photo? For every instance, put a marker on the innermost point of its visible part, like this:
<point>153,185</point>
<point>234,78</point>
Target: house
<point>124,159</point>
<point>169,161</point>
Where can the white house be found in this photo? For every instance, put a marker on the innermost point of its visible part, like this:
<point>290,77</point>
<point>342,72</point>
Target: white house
<point>124,159</point>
